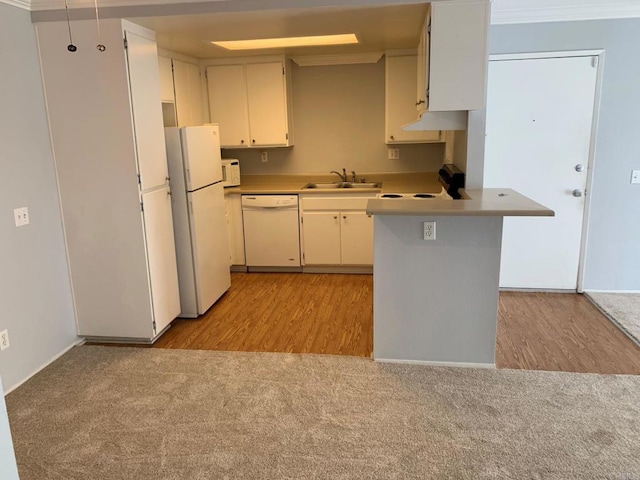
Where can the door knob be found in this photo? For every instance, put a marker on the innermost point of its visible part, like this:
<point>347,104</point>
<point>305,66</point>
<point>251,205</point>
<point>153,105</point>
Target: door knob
<point>579,167</point>
<point>577,192</point>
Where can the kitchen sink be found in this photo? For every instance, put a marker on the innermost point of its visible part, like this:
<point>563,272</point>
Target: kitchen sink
<point>335,185</point>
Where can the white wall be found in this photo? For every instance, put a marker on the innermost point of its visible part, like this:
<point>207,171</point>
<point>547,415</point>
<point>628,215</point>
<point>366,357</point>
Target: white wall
<point>613,242</point>
<point>8,469</point>
<point>35,292</point>
<point>338,120</point>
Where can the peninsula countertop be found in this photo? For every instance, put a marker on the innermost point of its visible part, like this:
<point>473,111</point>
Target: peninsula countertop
<point>482,202</point>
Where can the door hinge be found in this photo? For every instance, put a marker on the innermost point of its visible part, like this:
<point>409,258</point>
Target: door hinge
<point>154,327</point>
<point>286,136</point>
<point>142,206</point>
<point>126,43</point>
<point>283,70</point>
<point>206,74</point>
<point>139,180</point>
<point>301,219</point>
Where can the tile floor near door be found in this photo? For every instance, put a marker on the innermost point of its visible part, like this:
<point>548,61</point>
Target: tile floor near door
<point>333,314</point>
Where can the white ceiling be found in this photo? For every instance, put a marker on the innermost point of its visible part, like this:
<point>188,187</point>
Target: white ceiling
<point>377,29</point>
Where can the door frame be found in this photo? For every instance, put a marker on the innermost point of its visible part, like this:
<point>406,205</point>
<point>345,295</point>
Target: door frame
<point>599,54</point>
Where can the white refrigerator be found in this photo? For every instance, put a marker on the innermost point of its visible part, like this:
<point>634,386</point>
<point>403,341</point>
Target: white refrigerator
<point>200,227</point>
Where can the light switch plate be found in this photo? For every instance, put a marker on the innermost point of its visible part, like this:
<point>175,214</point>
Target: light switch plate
<point>635,176</point>
<point>393,153</point>
<point>21,216</point>
<point>4,340</point>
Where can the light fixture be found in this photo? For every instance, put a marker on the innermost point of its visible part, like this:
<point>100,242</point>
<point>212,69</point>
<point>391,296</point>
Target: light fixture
<point>260,43</point>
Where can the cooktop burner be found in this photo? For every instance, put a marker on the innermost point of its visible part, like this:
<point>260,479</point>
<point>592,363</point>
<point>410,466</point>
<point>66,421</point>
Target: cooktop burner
<point>424,195</point>
<point>442,195</point>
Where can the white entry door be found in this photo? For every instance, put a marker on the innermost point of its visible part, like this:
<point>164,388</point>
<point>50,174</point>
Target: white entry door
<point>539,125</point>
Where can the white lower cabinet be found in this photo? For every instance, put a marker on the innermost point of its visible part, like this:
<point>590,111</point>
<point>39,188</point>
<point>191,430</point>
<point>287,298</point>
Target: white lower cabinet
<point>236,232</point>
<point>336,230</point>
<point>356,238</point>
<point>322,241</point>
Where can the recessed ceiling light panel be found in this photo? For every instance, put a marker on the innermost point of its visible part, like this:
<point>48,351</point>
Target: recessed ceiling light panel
<point>263,43</point>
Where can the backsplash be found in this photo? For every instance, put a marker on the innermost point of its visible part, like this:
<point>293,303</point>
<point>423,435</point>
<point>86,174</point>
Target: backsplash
<point>338,117</point>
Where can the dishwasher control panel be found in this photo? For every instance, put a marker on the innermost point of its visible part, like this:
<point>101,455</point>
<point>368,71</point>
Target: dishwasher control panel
<point>269,201</point>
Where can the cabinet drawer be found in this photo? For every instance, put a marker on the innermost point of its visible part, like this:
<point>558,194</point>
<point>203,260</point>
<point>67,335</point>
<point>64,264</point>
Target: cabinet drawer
<point>320,202</point>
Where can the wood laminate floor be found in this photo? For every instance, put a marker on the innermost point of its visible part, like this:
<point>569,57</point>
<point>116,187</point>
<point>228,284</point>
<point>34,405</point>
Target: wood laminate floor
<point>333,314</point>
<point>284,312</point>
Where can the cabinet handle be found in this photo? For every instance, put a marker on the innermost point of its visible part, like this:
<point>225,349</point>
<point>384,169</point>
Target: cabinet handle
<point>242,142</point>
<point>344,217</point>
<point>391,137</point>
<point>253,141</point>
<point>335,217</point>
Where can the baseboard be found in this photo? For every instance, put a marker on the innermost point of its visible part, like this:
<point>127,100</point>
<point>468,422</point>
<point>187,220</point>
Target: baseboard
<point>238,268</point>
<point>612,291</point>
<point>366,270</point>
<point>274,269</point>
<point>437,364</point>
<point>537,290</point>
<point>79,341</point>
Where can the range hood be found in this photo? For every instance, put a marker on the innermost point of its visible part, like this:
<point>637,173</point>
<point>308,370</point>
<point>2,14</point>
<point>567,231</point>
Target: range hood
<point>456,120</point>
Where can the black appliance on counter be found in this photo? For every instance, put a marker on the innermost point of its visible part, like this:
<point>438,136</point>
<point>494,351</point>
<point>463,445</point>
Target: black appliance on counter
<point>451,178</point>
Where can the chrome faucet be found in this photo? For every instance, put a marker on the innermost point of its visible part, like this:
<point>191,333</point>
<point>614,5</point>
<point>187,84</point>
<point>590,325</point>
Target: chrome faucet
<point>353,176</point>
<point>343,175</point>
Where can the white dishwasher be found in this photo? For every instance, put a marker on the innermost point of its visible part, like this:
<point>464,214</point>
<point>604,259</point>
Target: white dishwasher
<point>271,230</point>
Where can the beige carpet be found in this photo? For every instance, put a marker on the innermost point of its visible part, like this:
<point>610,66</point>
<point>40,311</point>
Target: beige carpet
<point>622,309</point>
<point>126,413</point>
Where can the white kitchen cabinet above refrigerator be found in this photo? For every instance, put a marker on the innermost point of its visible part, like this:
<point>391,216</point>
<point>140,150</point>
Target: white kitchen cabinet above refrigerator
<point>105,117</point>
<point>251,101</point>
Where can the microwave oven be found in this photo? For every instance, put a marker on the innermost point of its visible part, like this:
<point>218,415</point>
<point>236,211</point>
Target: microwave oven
<point>230,172</point>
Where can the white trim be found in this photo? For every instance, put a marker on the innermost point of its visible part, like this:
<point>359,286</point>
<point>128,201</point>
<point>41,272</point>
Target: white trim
<point>436,364</point>
<point>78,342</point>
<point>611,291</point>
<point>162,52</point>
<point>592,142</point>
<point>23,4</point>
<point>347,59</point>
<point>534,55</point>
<point>539,11</point>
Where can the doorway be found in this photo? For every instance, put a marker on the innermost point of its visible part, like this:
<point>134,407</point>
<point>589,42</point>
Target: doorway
<point>541,118</point>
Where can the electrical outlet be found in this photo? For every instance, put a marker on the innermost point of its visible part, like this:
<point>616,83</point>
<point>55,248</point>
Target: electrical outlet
<point>264,157</point>
<point>429,230</point>
<point>21,216</point>
<point>635,176</point>
<point>393,153</point>
<point>4,339</point>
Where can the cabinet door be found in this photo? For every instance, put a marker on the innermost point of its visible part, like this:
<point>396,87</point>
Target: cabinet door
<point>195,94</point>
<point>236,230</point>
<point>400,104</point>
<point>267,104</point>
<point>188,99</point>
<point>356,238</point>
<point>458,55</point>
<point>144,82</point>
<point>166,80</point>
<point>321,232</point>
<point>161,257</point>
<point>228,104</point>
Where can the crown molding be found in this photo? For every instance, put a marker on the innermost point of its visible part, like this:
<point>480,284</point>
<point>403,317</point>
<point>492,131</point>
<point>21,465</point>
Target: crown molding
<point>538,11</point>
<point>24,4</point>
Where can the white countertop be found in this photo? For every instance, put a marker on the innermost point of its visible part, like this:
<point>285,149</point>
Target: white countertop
<point>488,202</point>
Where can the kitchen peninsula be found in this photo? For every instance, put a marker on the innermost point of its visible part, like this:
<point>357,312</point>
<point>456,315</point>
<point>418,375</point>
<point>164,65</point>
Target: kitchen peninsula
<point>436,301</point>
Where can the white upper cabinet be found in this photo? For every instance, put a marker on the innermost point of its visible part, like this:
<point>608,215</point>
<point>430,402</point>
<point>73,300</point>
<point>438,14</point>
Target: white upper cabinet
<point>147,119</point>
<point>251,103</point>
<point>228,104</point>
<point>400,103</point>
<point>452,57</point>
<point>166,80</point>
<point>186,78</point>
